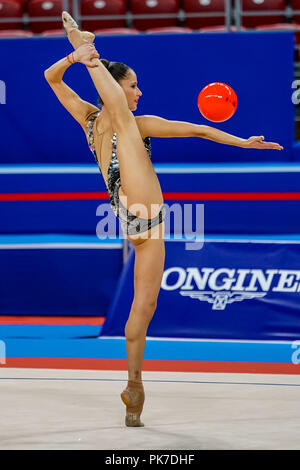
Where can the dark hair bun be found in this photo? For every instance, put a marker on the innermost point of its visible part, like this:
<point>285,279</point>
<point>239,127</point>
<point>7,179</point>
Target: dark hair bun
<point>106,63</point>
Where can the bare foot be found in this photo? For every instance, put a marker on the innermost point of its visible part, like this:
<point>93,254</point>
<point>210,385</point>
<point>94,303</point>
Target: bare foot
<point>75,36</point>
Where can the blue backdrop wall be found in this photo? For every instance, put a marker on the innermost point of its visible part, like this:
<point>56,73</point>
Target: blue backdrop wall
<point>171,71</point>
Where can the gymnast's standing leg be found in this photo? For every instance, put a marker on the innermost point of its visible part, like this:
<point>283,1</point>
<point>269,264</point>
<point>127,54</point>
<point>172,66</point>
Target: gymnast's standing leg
<point>141,186</point>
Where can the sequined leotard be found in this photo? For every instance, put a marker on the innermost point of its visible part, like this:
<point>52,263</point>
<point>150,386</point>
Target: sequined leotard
<point>130,223</point>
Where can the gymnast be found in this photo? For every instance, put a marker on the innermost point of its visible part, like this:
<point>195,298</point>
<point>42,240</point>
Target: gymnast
<point>120,143</point>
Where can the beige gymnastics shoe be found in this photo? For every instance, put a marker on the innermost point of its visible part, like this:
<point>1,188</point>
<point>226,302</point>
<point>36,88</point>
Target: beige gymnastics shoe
<point>133,397</point>
<point>75,36</point>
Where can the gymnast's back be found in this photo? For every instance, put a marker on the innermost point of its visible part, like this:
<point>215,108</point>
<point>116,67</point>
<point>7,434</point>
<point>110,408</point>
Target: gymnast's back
<point>99,136</point>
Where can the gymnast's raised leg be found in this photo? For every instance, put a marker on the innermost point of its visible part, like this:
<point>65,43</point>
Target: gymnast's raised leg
<point>141,186</point>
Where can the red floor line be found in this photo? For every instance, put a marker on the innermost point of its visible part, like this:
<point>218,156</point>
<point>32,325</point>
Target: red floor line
<point>153,365</point>
<point>181,196</point>
<point>35,320</point>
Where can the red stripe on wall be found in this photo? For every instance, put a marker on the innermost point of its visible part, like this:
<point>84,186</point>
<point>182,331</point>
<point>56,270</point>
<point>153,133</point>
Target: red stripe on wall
<point>35,320</point>
<point>153,365</point>
<point>233,196</point>
<point>170,196</point>
<point>53,196</point>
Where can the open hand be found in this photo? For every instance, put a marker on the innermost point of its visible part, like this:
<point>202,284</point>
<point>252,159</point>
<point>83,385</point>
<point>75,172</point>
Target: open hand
<point>257,142</point>
<point>86,54</point>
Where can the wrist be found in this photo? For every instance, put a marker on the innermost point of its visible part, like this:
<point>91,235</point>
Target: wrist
<point>244,143</point>
<point>71,58</point>
<point>74,57</point>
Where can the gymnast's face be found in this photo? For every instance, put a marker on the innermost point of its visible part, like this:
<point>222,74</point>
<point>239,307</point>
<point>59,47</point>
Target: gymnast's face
<point>131,90</point>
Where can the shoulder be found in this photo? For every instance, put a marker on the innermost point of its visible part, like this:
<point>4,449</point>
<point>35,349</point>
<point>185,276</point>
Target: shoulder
<point>140,121</point>
<point>145,124</point>
<point>92,113</point>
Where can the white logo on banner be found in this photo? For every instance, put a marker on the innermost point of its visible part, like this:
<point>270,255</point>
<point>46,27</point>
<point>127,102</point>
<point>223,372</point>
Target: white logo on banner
<point>221,299</point>
<point>224,286</point>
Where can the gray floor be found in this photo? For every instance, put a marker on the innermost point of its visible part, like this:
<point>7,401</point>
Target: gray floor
<point>63,409</point>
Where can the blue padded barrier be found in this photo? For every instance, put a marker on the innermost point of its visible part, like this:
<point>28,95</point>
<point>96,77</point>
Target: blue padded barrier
<point>58,275</point>
<point>229,289</point>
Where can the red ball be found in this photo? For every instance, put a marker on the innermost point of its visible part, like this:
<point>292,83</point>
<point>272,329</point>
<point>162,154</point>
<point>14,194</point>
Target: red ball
<point>217,102</point>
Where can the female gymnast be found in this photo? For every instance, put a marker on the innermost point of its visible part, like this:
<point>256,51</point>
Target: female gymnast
<point>120,143</point>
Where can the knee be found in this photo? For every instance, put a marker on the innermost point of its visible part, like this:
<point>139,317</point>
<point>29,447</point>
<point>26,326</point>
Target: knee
<point>140,316</point>
<point>145,308</point>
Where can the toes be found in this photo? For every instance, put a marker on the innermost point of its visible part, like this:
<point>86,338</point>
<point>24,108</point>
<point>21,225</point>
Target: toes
<point>133,420</point>
<point>65,16</point>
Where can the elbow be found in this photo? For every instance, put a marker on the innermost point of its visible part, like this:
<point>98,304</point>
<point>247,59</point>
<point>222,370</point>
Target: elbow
<point>46,75</point>
<point>202,131</point>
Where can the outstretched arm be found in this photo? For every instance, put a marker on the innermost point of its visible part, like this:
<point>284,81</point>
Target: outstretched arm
<point>154,126</point>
